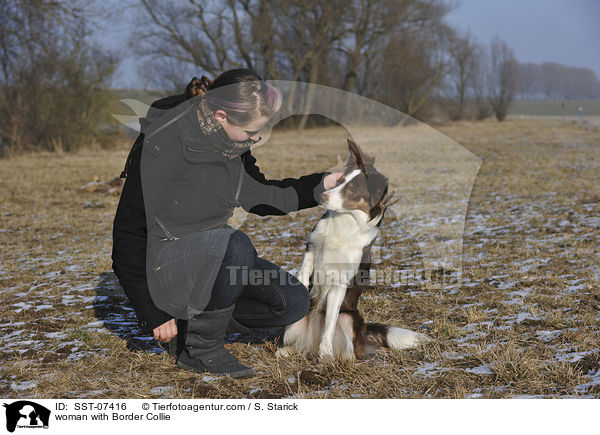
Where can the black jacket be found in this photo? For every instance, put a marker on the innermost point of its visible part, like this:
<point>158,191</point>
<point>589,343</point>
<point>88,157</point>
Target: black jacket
<point>130,230</point>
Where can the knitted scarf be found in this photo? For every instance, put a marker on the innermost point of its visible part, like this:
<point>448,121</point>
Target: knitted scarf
<point>216,134</point>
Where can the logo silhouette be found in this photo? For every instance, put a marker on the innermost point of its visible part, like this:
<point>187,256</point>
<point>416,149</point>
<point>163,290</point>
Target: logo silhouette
<point>27,414</point>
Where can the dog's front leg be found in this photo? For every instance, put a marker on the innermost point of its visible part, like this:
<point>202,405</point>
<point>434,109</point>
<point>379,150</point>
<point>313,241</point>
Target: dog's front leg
<point>335,297</point>
<point>306,270</point>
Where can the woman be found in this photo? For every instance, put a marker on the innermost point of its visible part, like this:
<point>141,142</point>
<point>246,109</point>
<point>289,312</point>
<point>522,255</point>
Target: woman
<point>183,268</point>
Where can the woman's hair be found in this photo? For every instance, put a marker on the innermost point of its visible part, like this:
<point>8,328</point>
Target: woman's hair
<point>241,93</point>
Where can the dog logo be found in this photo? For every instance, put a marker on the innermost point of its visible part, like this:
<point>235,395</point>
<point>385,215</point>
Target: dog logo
<point>26,414</point>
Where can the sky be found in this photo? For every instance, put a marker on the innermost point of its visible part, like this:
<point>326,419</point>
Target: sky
<point>562,31</point>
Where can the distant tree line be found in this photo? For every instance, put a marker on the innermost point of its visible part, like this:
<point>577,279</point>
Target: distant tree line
<point>554,81</point>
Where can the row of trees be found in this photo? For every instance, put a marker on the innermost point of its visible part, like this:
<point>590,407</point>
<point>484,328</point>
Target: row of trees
<point>483,79</point>
<point>389,50</point>
<point>399,52</point>
<point>557,82</point>
<point>54,80</point>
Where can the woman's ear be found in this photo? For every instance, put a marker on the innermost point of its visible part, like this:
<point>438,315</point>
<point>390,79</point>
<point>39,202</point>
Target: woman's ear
<point>220,116</point>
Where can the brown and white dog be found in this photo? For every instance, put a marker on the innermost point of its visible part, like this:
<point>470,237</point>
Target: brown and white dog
<point>336,269</point>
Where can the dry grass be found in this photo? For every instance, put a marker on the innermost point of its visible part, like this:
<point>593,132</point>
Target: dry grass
<point>524,322</point>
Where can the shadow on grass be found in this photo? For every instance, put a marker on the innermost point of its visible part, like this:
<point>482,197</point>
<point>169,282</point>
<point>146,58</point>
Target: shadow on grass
<point>112,308</point>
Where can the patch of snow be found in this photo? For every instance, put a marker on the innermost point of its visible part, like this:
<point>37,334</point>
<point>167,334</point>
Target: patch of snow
<point>573,357</point>
<point>507,284</point>
<point>11,335</point>
<point>575,288</point>
<point>523,316</point>
<point>50,275</point>
<point>429,369</point>
<point>58,334</point>
<point>22,386</point>
<point>22,306</point>
<point>164,391</point>
<point>547,335</point>
<point>470,337</point>
<point>480,370</point>
<point>44,307</point>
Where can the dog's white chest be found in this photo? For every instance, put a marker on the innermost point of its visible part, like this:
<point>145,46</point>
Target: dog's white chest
<point>337,244</point>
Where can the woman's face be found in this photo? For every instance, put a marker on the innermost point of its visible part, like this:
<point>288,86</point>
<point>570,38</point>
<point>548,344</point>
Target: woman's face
<point>241,133</point>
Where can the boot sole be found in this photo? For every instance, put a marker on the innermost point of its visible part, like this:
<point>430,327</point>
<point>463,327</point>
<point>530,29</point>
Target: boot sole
<point>239,374</point>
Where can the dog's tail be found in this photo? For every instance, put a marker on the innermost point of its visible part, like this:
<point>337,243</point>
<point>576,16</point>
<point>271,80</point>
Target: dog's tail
<point>394,337</point>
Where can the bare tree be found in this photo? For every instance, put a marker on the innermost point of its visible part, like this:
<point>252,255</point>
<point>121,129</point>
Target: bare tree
<point>209,36</point>
<point>368,21</point>
<point>412,70</point>
<point>52,81</point>
<point>307,33</point>
<point>262,18</point>
<point>503,77</point>
<point>480,84</point>
<point>464,59</point>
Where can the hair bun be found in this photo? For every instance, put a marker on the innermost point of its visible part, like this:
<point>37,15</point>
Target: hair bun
<point>197,86</point>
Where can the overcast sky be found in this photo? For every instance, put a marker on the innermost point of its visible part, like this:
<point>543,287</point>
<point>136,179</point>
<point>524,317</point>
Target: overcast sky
<point>563,31</point>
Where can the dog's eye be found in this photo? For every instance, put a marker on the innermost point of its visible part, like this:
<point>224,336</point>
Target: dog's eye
<point>351,190</point>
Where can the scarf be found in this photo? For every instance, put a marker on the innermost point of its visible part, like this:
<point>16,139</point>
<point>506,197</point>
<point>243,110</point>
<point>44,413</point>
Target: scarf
<point>216,135</point>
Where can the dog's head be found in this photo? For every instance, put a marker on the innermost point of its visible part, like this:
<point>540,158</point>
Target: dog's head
<point>361,189</point>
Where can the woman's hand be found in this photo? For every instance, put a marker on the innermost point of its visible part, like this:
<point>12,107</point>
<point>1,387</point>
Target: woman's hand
<point>331,180</point>
<point>166,331</point>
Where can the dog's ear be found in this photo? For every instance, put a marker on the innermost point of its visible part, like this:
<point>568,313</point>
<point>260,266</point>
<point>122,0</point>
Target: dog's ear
<point>381,199</point>
<point>356,158</point>
<point>379,196</point>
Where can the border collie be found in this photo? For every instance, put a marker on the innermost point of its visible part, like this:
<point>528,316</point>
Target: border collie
<point>336,270</point>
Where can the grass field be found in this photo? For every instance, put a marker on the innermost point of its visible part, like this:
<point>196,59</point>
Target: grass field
<point>524,323</point>
<point>567,108</point>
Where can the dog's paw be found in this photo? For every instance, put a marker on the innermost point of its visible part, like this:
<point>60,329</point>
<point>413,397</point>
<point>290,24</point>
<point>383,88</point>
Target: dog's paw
<point>285,352</point>
<point>326,352</point>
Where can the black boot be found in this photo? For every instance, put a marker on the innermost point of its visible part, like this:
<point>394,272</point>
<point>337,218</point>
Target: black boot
<point>238,333</point>
<point>203,349</point>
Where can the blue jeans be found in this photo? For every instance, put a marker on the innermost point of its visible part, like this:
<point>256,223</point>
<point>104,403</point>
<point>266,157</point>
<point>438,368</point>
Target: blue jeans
<point>264,294</point>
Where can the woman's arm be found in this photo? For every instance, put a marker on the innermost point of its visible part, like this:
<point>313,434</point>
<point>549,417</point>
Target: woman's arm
<point>278,197</point>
